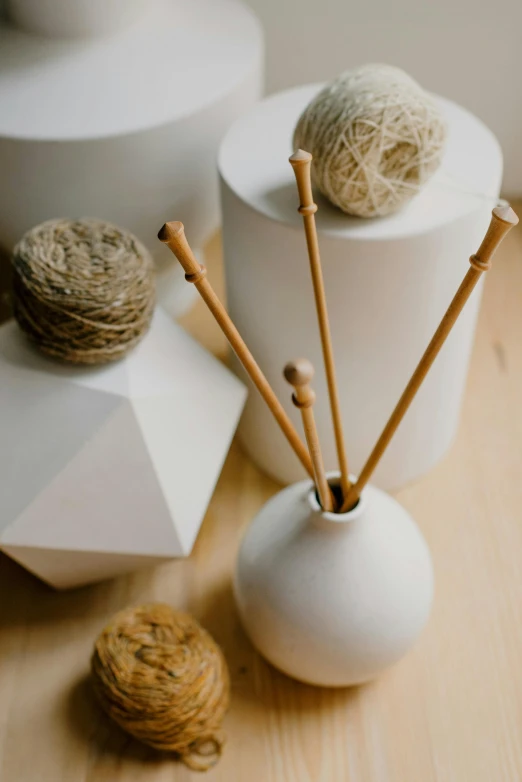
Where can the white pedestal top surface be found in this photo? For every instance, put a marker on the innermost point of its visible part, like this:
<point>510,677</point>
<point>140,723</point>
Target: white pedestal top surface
<point>174,60</point>
<point>253,161</point>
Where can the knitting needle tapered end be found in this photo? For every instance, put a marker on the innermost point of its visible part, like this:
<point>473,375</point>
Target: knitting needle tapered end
<point>173,235</point>
<point>170,231</point>
<point>300,157</point>
<point>506,214</point>
<point>503,219</point>
<point>299,374</point>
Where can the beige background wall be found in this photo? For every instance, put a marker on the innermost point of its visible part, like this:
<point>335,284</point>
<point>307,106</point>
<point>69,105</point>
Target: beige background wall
<point>469,51</point>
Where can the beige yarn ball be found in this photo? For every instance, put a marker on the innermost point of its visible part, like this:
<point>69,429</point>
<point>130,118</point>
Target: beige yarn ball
<point>376,137</point>
<point>162,678</point>
<point>83,290</point>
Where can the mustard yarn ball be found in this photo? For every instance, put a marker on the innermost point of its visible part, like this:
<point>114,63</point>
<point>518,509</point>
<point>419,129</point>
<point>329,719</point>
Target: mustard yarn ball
<point>162,678</point>
<point>376,138</point>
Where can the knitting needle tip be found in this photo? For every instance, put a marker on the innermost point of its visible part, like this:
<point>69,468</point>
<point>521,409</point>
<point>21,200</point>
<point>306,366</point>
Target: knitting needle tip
<point>300,157</point>
<point>506,214</point>
<point>170,231</point>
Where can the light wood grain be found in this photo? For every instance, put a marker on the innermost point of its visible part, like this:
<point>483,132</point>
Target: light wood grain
<point>451,711</point>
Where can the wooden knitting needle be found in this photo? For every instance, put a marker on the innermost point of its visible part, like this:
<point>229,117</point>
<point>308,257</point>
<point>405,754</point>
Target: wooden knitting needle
<point>299,374</point>
<point>301,162</point>
<point>173,235</point>
<point>502,220</point>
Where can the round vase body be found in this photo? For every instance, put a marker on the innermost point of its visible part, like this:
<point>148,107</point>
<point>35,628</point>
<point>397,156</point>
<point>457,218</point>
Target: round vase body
<point>388,282</point>
<point>330,599</point>
<point>126,127</point>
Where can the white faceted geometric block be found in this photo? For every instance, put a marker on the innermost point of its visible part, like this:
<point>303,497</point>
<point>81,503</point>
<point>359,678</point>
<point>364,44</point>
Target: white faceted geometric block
<point>106,469</point>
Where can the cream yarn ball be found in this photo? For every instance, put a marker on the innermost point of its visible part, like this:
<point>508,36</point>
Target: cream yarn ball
<point>376,137</point>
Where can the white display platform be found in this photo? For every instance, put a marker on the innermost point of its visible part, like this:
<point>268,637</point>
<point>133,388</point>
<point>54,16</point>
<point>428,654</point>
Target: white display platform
<point>126,126</point>
<point>388,282</point>
<point>106,469</point>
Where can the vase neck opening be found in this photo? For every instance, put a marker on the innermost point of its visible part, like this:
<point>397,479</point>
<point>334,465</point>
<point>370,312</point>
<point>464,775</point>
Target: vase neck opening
<point>335,486</point>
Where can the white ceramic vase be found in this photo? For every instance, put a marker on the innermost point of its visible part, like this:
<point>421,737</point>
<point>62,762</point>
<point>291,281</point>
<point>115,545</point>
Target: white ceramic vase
<point>333,599</point>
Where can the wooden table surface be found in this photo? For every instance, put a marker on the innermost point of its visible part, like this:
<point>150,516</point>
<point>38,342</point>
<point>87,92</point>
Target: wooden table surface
<point>451,711</point>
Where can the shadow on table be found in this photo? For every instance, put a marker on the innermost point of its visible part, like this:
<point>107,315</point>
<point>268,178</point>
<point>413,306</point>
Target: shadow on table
<point>92,725</point>
<point>259,692</point>
<point>255,682</point>
<point>26,600</point>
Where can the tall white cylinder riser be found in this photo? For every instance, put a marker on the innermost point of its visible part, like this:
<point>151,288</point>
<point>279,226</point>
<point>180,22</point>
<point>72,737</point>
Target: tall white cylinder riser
<point>388,283</point>
<point>109,140</point>
<point>156,175</point>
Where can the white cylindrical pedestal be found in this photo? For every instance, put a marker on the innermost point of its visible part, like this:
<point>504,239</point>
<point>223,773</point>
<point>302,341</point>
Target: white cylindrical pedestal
<point>388,282</point>
<point>125,127</point>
